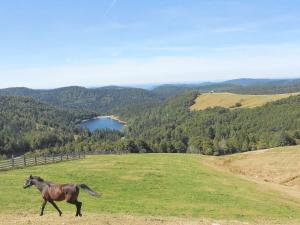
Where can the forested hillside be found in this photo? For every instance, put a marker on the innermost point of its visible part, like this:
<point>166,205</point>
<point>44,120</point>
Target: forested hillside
<point>29,126</point>
<point>47,120</point>
<point>105,100</point>
<point>26,124</point>
<point>122,100</point>
<point>171,127</point>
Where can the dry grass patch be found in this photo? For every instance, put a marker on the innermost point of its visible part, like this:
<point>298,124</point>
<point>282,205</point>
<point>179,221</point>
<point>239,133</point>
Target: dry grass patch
<point>230,100</point>
<point>277,165</point>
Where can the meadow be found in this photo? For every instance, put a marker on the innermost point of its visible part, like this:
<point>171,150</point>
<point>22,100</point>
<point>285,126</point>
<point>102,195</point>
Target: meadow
<point>151,185</point>
<point>229,100</point>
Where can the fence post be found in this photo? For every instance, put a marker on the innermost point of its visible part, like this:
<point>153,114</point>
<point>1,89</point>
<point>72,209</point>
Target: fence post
<point>61,156</point>
<point>45,157</point>
<point>35,162</point>
<point>52,157</point>
<point>67,156</point>
<point>24,160</point>
<point>84,154</point>
<point>12,161</point>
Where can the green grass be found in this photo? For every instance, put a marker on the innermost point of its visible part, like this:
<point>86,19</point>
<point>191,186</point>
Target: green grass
<point>151,184</point>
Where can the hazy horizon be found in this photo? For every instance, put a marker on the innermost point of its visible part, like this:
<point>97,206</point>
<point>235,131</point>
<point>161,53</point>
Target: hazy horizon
<point>152,85</point>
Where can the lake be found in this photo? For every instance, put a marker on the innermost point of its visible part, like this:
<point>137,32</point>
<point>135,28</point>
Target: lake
<point>102,122</point>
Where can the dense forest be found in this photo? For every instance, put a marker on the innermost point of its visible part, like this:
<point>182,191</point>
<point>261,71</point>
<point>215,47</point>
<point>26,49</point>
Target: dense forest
<point>27,125</point>
<point>171,127</point>
<point>105,100</point>
<point>159,120</point>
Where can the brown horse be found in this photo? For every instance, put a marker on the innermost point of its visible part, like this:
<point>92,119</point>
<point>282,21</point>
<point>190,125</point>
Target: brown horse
<point>58,192</point>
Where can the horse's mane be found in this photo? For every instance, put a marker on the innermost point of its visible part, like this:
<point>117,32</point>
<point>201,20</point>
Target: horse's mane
<point>38,178</point>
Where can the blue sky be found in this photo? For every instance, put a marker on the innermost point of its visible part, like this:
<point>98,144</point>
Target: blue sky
<point>53,43</point>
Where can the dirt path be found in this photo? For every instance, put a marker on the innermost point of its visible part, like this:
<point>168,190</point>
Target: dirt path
<point>98,219</point>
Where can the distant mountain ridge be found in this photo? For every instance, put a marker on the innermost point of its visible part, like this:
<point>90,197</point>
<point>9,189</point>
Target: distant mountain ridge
<point>241,86</point>
<point>252,81</point>
<point>103,100</point>
<point>113,99</point>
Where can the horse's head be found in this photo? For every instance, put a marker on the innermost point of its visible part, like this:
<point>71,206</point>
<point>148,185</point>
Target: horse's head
<point>28,182</point>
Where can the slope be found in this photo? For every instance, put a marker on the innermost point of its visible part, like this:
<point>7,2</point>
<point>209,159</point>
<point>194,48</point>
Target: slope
<point>230,100</point>
<point>177,185</point>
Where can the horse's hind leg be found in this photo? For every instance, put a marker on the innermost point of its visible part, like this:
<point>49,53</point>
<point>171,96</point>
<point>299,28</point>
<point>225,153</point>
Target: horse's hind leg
<point>78,205</point>
<point>43,207</point>
<point>56,207</point>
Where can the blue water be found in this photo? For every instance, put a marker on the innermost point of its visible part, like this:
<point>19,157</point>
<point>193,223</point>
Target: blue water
<point>102,123</point>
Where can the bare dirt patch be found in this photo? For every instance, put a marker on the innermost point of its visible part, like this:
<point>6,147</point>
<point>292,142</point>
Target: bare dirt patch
<point>98,219</point>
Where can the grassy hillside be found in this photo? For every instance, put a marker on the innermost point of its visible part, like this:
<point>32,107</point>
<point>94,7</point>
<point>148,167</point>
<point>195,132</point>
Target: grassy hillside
<point>277,165</point>
<point>229,100</point>
<point>152,184</point>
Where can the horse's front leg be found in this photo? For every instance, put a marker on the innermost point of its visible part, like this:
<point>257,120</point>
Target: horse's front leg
<point>56,207</point>
<point>43,207</point>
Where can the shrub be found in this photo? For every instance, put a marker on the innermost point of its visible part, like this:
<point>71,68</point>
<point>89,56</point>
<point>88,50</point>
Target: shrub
<point>238,104</point>
<point>286,140</point>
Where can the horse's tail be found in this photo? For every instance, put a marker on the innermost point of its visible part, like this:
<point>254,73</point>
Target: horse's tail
<point>88,190</point>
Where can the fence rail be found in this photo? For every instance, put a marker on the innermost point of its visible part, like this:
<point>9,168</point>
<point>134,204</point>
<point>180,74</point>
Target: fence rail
<point>23,161</point>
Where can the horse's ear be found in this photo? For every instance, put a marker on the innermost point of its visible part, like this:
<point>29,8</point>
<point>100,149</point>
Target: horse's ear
<point>30,176</point>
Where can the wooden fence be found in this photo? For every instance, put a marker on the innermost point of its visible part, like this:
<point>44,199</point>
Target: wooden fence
<point>23,161</point>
